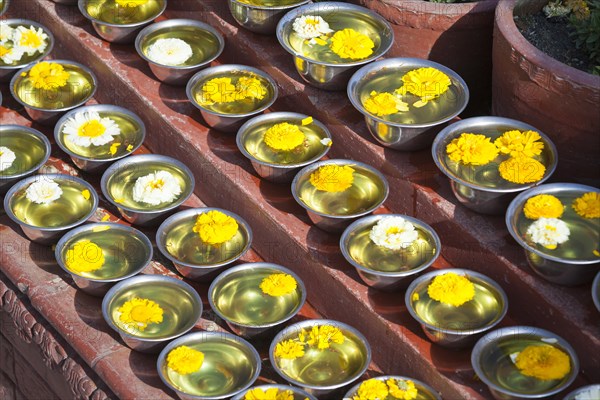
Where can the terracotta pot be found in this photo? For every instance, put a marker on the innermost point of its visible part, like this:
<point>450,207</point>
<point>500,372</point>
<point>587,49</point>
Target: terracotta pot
<point>457,35</point>
<point>561,101</point>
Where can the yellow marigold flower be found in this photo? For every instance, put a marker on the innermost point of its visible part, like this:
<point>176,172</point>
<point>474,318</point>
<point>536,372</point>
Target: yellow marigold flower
<point>184,360</point>
<point>351,44</point>
<point>520,144</point>
<point>250,87</point>
<point>215,227</point>
<point>131,3</point>
<point>218,90</point>
<point>543,206</point>
<point>543,362</point>
<point>371,389</point>
<point>278,284</point>
<point>332,178</point>
<point>402,389</point>
<point>284,137</point>
<point>428,83</point>
<point>138,313</point>
<point>269,394</point>
<point>322,336</point>
<point>588,205</point>
<point>289,349</point>
<point>471,149</point>
<point>521,170</point>
<point>451,289</point>
<point>84,256</point>
<point>384,103</point>
<point>48,76</point>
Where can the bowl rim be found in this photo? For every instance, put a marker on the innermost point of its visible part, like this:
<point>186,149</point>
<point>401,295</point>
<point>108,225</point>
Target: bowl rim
<point>257,265</point>
<point>596,290</point>
<point>176,23</point>
<point>94,84</point>
<point>521,330</point>
<point>428,276</point>
<point>295,390</point>
<point>4,7</point>
<point>194,212</point>
<point>48,50</point>
<point>29,180</point>
<point>375,218</point>
<point>82,3</point>
<point>521,198</point>
<point>573,394</point>
<point>37,134</point>
<point>114,109</point>
<point>258,121</point>
<point>382,378</point>
<point>300,11</point>
<point>202,336</point>
<point>208,72</point>
<point>274,8</point>
<point>113,226</point>
<point>319,322</point>
<point>338,161</point>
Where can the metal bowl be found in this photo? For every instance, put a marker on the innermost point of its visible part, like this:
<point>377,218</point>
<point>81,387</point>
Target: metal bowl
<point>491,355</point>
<point>125,22</point>
<point>570,268</point>
<point>582,390</point>
<point>119,179</point>
<point>261,19</point>
<point>24,141</point>
<point>425,392</point>
<point>8,71</point>
<point>236,297</point>
<point>395,268</point>
<point>451,326</point>
<point>596,291</point>
<point>181,304</point>
<point>328,75</point>
<point>177,241</point>
<point>402,134</point>
<point>250,142</point>
<point>231,365</point>
<point>133,132</point>
<point>228,122</point>
<point>127,250</point>
<point>71,210</point>
<point>483,196</point>
<point>46,106</point>
<point>298,394</point>
<point>333,214</point>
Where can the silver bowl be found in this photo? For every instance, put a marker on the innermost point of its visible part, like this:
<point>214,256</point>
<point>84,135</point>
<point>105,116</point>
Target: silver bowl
<point>130,168</point>
<point>173,28</point>
<point>470,328</point>
<point>251,300</point>
<point>479,197</point>
<point>556,269</point>
<point>179,226</point>
<point>326,75</point>
<point>406,136</point>
<point>425,391</point>
<point>227,122</point>
<point>22,139</point>
<point>277,172</point>
<point>425,251</point>
<point>298,394</point>
<point>8,71</point>
<point>260,19</point>
<point>579,391</point>
<point>129,245</point>
<point>180,302</point>
<point>48,235</point>
<point>113,32</point>
<point>596,291</point>
<point>494,349</point>
<point>132,127</point>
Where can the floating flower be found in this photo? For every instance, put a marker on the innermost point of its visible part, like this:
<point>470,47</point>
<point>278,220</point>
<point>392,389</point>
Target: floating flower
<point>223,90</point>
<point>289,349</point>
<point>284,137</point>
<point>215,227</point>
<point>269,394</point>
<point>184,360</point>
<point>114,148</point>
<point>521,170</point>
<point>44,191</point>
<point>88,128</point>
<point>84,256</point>
<point>278,284</point>
<point>371,389</point>
<point>520,144</point>
<point>86,194</point>
<point>471,149</point>
<point>326,142</point>
<point>10,55</point>
<point>30,40</point>
<point>543,206</point>
<point>591,393</point>
<point>6,33</point>
<point>130,3</point>
<point>428,83</point>
<point>543,362</point>
<point>170,51</point>
<point>250,87</point>
<point>48,76</point>
<point>384,103</point>
<point>351,44</point>
<point>549,232</point>
<point>155,188</point>
<point>7,158</point>
<point>393,233</point>
<point>138,313</point>
<point>307,121</point>
<point>332,178</point>
<point>323,336</point>
<point>451,289</point>
<point>310,26</point>
<point>588,205</point>
<point>402,389</point>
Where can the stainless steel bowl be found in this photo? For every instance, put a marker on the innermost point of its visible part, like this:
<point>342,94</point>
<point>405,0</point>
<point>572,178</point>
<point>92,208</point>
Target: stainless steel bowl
<point>298,394</point>
<point>260,19</point>
<point>325,75</point>
<point>478,197</point>
<point>582,390</point>
<point>425,391</point>
<point>406,136</point>
<point>596,291</point>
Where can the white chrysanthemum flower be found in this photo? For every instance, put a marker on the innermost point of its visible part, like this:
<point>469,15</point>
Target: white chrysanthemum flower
<point>7,158</point>
<point>30,40</point>
<point>310,27</point>
<point>170,51</point>
<point>158,187</point>
<point>6,33</point>
<point>592,393</point>
<point>549,232</point>
<point>10,55</point>
<point>44,191</point>
<point>394,233</point>
<point>88,128</point>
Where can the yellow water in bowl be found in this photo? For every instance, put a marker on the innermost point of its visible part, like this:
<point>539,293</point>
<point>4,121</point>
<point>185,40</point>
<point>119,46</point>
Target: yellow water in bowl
<point>109,11</point>
<point>29,150</point>
<point>204,44</point>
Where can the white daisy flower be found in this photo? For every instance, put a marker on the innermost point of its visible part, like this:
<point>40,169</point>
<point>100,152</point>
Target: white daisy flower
<point>10,55</point>
<point>394,233</point>
<point>44,191</point>
<point>549,232</point>
<point>88,128</point>
<point>31,40</point>
<point>7,158</point>
<point>158,187</point>
<point>310,27</point>
<point>592,393</point>
<point>170,51</point>
<point>6,33</point>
